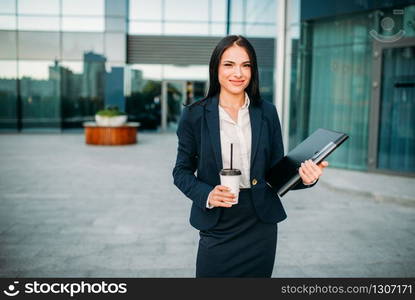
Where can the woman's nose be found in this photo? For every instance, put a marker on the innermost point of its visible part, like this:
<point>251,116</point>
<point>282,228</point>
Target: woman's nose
<point>238,71</point>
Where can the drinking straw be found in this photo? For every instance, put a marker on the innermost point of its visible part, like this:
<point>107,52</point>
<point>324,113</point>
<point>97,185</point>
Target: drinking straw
<point>231,154</point>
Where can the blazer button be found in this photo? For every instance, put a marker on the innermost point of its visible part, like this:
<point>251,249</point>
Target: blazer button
<point>254,181</point>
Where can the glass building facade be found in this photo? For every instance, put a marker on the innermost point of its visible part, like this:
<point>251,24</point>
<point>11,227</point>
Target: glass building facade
<point>352,69</point>
<point>345,65</point>
<point>62,60</point>
<point>58,60</point>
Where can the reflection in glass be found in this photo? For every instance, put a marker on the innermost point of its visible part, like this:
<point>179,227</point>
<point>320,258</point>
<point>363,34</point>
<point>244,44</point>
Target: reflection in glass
<point>8,94</point>
<point>191,72</point>
<point>396,150</point>
<point>115,44</point>
<point>74,45</point>
<point>339,84</point>
<point>8,46</point>
<point>145,10</point>
<point>114,87</point>
<point>82,89</point>
<point>83,8</point>
<point>38,45</point>
<point>186,10</point>
<point>7,22</point>
<point>38,23</point>
<point>181,92</point>
<point>176,95</point>
<point>266,88</point>
<point>43,7</point>
<point>40,93</point>
<point>143,97</point>
<point>7,6</point>
<point>90,24</point>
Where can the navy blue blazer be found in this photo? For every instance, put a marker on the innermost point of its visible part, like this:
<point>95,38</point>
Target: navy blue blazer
<point>199,149</point>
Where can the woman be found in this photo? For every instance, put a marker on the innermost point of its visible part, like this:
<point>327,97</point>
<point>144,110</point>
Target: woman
<point>236,240</point>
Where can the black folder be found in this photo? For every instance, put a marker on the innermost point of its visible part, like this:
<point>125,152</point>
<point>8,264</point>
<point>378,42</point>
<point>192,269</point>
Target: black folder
<point>283,176</point>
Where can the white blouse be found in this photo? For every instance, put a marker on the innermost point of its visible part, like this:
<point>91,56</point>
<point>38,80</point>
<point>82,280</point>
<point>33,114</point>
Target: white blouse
<point>238,133</point>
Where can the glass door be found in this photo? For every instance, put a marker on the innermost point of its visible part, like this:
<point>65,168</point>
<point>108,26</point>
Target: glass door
<point>394,121</point>
<point>175,94</point>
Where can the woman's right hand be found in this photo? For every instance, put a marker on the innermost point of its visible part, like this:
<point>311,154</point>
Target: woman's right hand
<point>220,195</point>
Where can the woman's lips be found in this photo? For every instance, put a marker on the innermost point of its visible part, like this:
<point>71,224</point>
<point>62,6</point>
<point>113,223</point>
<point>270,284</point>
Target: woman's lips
<point>237,82</point>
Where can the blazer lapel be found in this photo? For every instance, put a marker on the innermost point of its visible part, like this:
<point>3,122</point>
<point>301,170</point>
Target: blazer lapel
<point>212,120</point>
<point>255,115</point>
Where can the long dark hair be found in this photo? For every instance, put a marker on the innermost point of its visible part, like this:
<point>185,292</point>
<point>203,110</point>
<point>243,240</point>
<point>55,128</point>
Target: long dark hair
<point>214,87</point>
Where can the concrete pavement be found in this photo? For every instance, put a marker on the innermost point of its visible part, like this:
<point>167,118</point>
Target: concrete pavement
<point>72,210</point>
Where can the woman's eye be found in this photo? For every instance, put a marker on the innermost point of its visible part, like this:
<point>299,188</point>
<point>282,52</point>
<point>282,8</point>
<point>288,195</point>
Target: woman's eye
<point>227,65</point>
<point>247,65</point>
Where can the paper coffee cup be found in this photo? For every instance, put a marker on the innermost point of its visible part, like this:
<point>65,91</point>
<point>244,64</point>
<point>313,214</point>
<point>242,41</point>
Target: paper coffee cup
<point>231,179</point>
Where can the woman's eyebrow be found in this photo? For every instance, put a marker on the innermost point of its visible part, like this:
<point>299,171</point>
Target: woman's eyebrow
<point>232,62</point>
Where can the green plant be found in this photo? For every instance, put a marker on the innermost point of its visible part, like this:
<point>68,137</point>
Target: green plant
<point>110,112</point>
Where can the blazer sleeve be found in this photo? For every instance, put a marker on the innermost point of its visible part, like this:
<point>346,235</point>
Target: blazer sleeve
<point>186,164</point>
<point>278,153</point>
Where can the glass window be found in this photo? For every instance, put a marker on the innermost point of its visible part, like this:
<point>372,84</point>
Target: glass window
<point>8,6</point>
<point>186,10</point>
<point>8,44</point>
<point>115,24</point>
<point>7,22</point>
<point>82,89</point>
<point>83,24</point>
<point>293,12</point>
<point>143,97</point>
<point>193,72</point>
<point>83,8</point>
<point>43,7</point>
<point>115,44</point>
<point>153,72</point>
<point>8,92</point>
<point>260,11</point>
<point>340,85</point>
<point>114,86</point>
<point>116,8</point>
<point>238,9</point>
<point>145,10</point>
<point>38,23</point>
<point>38,45</point>
<point>218,29</point>
<point>256,30</point>
<point>218,10</point>
<point>396,148</point>
<point>40,92</point>
<point>186,28</point>
<point>237,28</point>
<point>145,27</point>
<point>76,44</point>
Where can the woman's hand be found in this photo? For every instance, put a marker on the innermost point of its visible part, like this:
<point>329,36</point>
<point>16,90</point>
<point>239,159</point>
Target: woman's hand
<point>220,195</point>
<point>310,172</point>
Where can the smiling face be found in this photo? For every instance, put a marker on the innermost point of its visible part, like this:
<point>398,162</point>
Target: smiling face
<point>234,71</point>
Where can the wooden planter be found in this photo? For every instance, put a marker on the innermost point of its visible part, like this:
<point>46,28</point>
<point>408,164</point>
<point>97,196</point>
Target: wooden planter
<point>111,136</point>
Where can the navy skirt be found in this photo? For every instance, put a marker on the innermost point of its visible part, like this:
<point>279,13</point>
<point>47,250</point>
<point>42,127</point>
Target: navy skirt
<point>239,245</point>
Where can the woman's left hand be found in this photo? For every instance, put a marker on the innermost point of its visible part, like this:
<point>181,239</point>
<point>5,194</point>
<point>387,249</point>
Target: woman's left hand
<point>310,171</point>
